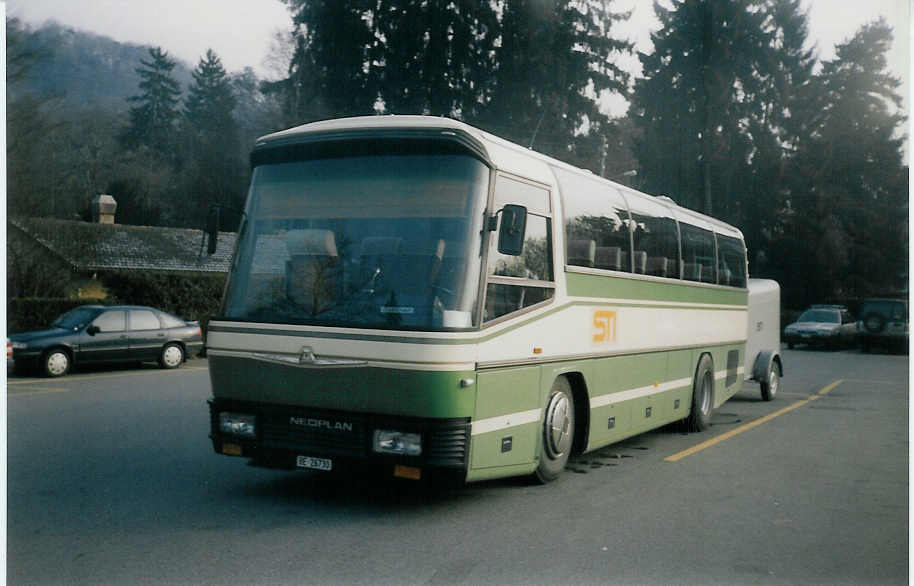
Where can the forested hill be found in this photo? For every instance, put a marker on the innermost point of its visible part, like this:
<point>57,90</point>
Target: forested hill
<point>83,69</point>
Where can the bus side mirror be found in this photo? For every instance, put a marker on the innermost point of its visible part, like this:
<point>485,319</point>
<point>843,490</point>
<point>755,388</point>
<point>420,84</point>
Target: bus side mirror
<point>212,229</point>
<point>512,230</point>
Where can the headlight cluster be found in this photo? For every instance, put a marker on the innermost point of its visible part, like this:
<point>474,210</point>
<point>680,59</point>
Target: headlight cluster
<point>238,424</point>
<point>397,442</point>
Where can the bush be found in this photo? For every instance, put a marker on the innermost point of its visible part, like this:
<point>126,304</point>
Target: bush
<point>192,298</point>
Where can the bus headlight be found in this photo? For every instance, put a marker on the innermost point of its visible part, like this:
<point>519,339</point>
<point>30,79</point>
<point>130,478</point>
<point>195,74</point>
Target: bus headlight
<point>397,442</point>
<point>238,424</point>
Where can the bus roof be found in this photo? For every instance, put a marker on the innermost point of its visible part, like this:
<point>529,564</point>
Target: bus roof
<point>500,153</point>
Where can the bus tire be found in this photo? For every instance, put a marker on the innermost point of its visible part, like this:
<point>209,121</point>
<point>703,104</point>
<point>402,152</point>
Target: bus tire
<point>702,396</point>
<point>558,432</point>
<point>771,382</point>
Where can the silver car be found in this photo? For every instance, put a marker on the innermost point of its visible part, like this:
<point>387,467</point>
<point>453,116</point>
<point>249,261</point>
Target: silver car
<point>828,326</point>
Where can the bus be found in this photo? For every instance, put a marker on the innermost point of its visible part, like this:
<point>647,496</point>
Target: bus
<point>414,293</point>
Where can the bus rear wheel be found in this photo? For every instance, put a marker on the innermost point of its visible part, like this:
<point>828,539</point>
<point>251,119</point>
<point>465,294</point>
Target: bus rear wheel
<point>702,396</point>
<point>558,432</point>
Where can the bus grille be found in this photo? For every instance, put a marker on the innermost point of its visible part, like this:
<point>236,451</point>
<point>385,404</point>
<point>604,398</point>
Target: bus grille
<point>448,446</point>
<point>329,433</point>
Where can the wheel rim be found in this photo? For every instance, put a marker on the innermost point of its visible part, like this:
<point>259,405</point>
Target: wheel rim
<point>772,382</point>
<point>705,400</point>
<point>58,362</point>
<point>172,356</point>
<point>559,420</point>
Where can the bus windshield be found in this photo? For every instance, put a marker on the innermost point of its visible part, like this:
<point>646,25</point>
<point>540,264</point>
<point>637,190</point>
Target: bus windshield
<point>379,241</point>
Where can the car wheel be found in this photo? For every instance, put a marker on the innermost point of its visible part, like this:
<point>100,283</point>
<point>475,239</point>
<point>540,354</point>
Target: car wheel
<point>172,356</point>
<point>702,396</point>
<point>558,432</point>
<point>790,345</point>
<point>874,322</point>
<point>55,362</point>
<point>771,383</point>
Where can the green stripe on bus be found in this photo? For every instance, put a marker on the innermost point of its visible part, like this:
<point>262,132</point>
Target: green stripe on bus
<point>585,285</point>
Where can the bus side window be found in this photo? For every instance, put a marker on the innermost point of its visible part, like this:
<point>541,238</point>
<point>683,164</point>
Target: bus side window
<point>731,256</point>
<point>596,223</point>
<point>517,282</point>
<point>657,237</point>
<point>698,253</point>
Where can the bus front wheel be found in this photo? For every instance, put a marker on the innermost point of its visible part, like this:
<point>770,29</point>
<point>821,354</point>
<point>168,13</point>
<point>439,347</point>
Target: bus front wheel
<point>702,396</point>
<point>558,432</point>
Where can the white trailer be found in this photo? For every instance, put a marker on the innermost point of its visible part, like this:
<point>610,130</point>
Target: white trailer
<point>763,343</point>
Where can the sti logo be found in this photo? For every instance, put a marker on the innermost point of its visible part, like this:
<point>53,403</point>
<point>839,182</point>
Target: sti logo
<point>604,323</point>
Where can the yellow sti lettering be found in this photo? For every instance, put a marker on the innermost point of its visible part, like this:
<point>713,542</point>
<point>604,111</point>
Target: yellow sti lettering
<point>604,323</point>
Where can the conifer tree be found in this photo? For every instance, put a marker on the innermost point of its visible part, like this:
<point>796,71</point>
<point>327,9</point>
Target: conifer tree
<point>154,116</point>
<point>210,99</point>
<point>849,192</point>
<point>212,166</point>
<point>552,61</point>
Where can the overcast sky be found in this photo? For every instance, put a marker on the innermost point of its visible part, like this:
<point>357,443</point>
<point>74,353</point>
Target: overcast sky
<point>240,31</point>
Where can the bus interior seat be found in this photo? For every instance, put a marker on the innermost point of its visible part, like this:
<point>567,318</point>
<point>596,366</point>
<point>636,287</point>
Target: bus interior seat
<point>640,260</point>
<point>581,252</point>
<point>725,275</point>
<point>692,271</point>
<point>420,269</point>
<point>312,274</point>
<point>608,257</point>
<point>657,266</point>
<point>707,274</point>
<point>379,256</point>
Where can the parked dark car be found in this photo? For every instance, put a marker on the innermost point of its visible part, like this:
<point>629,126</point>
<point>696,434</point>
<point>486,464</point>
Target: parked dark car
<point>97,333</point>
<point>824,325</point>
<point>883,322</point>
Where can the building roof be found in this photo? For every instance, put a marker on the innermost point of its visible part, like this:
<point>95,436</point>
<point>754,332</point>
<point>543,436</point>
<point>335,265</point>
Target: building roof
<point>116,247</point>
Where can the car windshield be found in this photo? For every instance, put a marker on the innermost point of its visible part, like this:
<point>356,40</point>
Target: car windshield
<point>380,241</point>
<point>820,316</point>
<point>76,318</point>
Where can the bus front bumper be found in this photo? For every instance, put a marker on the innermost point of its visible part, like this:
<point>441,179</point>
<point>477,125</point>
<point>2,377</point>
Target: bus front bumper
<point>290,437</point>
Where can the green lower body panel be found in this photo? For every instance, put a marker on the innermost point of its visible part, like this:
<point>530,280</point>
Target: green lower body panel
<point>616,398</point>
<point>412,393</point>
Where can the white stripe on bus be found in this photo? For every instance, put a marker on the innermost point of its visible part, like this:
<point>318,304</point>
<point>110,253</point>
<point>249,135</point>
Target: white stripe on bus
<point>503,422</point>
<point>613,398</point>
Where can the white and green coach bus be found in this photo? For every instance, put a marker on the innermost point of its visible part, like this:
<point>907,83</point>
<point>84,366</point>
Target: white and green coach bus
<point>415,293</point>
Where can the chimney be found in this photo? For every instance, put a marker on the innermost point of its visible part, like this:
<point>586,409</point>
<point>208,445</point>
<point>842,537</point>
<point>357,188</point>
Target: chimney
<point>103,208</point>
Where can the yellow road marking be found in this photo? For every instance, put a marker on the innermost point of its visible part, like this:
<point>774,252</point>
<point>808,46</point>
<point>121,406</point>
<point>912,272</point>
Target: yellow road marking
<point>78,378</point>
<point>38,392</point>
<point>752,424</point>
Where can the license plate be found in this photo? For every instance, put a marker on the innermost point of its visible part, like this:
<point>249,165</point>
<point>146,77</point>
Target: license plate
<point>314,463</point>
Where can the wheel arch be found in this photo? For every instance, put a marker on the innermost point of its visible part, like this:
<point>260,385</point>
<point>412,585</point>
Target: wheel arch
<point>763,362</point>
<point>59,346</point>
<point>698,359</point>
<point>581,410</point>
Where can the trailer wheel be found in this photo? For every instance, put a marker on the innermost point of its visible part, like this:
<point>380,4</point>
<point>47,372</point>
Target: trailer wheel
<point>771,382</point>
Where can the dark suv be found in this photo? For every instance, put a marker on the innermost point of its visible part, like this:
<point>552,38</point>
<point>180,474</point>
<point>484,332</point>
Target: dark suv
<point>883,322</point>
